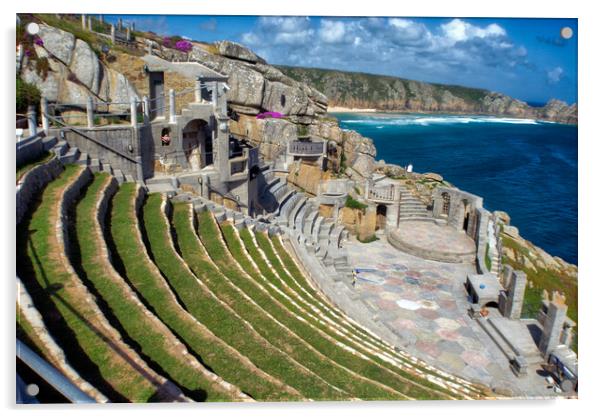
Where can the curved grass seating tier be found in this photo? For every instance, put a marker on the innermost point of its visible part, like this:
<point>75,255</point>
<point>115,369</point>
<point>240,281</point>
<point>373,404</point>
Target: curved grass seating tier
<point>254,263</point>
<point>144,277</point>
<point>215,310</point>
<point>339,366</point>
<point>154,340</point>
<point>222,358</point>
<point>291,274</point>
<point>91,345</point>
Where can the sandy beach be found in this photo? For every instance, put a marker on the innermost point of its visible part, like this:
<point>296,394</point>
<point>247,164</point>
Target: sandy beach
<point>338,109</point>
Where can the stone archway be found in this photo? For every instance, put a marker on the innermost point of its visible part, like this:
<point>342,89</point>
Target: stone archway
<point>381,216</point>
<point>194,143</point>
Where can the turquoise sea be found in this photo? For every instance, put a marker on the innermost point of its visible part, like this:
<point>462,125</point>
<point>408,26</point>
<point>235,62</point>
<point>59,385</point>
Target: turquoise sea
<point>525,167</point>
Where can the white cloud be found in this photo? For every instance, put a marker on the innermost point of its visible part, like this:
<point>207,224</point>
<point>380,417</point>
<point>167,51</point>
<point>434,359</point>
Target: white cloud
<point>554,75</point>
<point>453,51</point>
<point>332,31</point>
<point>459,30</point>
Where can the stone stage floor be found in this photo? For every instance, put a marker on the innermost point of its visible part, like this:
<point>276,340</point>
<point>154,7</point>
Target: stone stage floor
<point>424,303</point>
<point>432,241</point>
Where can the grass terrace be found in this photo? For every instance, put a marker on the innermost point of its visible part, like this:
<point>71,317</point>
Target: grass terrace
<point>239,332</point>
<point>217,354</point>
<point>370,378</point>
<point>151,339</point>
<point>68,314</point>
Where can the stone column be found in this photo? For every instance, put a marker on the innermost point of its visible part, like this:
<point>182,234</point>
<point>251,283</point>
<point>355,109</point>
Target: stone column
<point>32,123</point>
<point>119,24</point>
<point>44,113</point>
<point>197,91</point>
<point>516,295</point>
<point>214,94</point>
<point>112,33</point>
<point>554,322</point>
<point>90,23</point>
<point>84,22</point>
<point>133,112</point>
<point>127,34</point>
<point>90,112</point>
<point>367,189</point>
<point>146,109</point>
<point>101,19</point>
<point>172,106</point>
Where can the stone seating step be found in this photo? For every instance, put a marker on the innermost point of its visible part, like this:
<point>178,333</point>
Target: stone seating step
<point>316,228</point>
<point>301,216</point>
<point>296,209</point>
<point>83,159</point>
<point>118,174</point>
<point>308,222</point>
<point>325,229</point>
<point>60,148</point>
<point>70,157</point>
<point>95,165</point>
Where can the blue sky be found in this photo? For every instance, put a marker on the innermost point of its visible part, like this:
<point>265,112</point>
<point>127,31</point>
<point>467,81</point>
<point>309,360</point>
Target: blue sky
<point>524,58</point>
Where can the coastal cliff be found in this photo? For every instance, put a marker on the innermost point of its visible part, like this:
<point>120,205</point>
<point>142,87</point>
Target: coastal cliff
<point>393,94</point>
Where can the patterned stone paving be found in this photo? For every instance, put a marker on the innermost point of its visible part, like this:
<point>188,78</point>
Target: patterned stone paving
<point>424,303</point>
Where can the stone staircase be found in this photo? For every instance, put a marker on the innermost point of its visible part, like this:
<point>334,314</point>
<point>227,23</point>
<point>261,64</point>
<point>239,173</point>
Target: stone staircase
<point>494,256</point>
<point>512,338</point>
<point>300,216</point>
<point>411,208</point>
<point>72,155</point>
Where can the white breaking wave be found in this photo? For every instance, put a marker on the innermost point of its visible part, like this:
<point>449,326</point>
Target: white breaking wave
<point>435,120</point>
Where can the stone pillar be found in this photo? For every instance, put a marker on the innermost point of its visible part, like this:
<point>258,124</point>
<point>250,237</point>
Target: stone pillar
<point>516,295</point>
<point>32,123</point>
<point>133,112</point>
<point>119,24</point>
<point>139,170</point>
<point>223,149</point>
<point>133,26</point>
<point>214,94</point>
<point>146,109</point>
<point>101,19</point>
<point>112,33</point>
<point>367,189</point>
<point>553,325</point>
<point>127,34</point>
<point>90,23</point>
<point>90,112</point>
<point>44,113</point>
<point>172,106</point>
<point>197,91</point>
<point>84,22</point>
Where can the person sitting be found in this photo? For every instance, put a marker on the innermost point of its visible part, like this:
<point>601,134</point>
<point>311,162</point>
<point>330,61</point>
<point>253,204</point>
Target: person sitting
<point>165,139</point>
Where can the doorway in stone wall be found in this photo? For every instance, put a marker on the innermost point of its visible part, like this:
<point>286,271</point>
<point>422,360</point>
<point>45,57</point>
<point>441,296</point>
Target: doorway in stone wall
<point>193,143</point>
<point>381,217</point>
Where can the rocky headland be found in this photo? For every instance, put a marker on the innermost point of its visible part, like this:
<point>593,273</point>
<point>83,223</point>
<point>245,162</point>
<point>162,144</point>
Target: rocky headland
<point>392,94</point>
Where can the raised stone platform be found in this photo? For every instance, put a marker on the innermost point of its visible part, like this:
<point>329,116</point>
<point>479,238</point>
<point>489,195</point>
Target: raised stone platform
<point>431,241</point>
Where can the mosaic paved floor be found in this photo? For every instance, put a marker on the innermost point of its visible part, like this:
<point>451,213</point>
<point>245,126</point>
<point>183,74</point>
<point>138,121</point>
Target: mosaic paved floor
<point>424,303</point>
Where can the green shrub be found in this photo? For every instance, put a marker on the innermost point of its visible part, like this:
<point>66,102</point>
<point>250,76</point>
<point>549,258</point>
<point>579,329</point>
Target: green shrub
<point>369,239</point>
<point>354,204</point>
<point>27,94</point>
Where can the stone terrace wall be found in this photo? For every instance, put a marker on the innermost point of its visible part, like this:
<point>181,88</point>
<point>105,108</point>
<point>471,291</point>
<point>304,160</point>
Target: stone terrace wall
<point>33,183</point>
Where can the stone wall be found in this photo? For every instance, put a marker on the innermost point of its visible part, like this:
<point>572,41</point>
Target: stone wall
<point>33,182</point>
<point>120,138</point>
